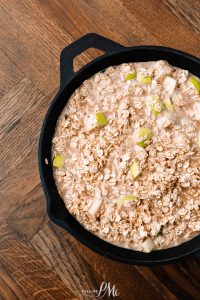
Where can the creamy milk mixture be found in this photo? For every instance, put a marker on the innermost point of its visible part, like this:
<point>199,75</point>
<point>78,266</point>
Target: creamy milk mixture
<point>126,155</point>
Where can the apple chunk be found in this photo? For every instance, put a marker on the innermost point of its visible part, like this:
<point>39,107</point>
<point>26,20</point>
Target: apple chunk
<point>155,104</point>
<point>148,245</point>
<point>130,76</point>
<point>58,161</point>
<point>101,119</point>
<point>169,104</point>
<point>196,84</point>
<point>143,136</point>
<point>144,79</point>
<point>135,170</point>
<point>125,198</point>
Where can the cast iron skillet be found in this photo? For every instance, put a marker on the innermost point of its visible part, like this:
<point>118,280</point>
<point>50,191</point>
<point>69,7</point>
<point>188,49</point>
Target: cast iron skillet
<point>115,54</point>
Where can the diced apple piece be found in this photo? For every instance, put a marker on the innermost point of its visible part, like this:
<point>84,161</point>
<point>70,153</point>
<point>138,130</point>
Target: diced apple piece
<point>169,104</point>
<point>156,105</point>
<point>196,84</point>
<point>169,84</point>
<point>144,79</point>
<point>135,169</point>
<point>143,137</point>
<point>101,119</point>
<point>130,76</point>
<point>95,206</point>
<point>58,161</point>
<point>148,245</point>
<point>93,120</point>
<point>126,198</point>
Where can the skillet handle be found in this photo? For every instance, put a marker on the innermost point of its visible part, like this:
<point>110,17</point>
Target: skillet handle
<point>87,41</point>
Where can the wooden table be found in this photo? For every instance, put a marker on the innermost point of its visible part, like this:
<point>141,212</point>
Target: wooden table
<point>38,259</point>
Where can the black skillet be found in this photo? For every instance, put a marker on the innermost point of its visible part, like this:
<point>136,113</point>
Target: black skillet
<point>115,54</point>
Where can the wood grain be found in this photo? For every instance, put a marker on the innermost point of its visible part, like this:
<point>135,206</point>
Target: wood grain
<point>165,282</point>
<point>167,29</point>
<point>125,277</point>
<point>14,123</point>
<point>39,260</point>
<point>187,12</point>
<point>10,74</point>
<point>9,288</point>
<point>32,277</point>
<point>37,38</point>
<point>61,255</point>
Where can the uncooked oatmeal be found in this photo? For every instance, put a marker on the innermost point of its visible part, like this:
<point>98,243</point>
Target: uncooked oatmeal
<point>126,155</point>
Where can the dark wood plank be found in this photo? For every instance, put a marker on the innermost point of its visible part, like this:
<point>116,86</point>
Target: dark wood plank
<point>33,40</point>
<point>31,210</point>
<point>20,182</point>
<point>29,270</point>
<point>9,288</point>
<point>29,203</point>
<point>187,12</point>
<point>175,279</point>
<point>105,17</point>
<point>10,74</point>
<point>136,26</point>
<point>64,259</point>
<point>162,23</point>
<point>17,110</point>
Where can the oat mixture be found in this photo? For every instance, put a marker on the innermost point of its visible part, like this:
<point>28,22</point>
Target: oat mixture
<point>126,155</point>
